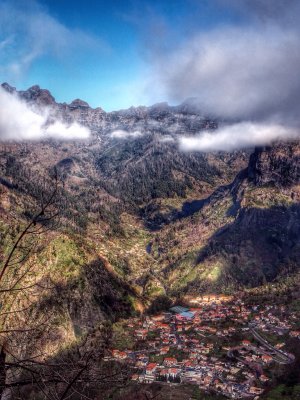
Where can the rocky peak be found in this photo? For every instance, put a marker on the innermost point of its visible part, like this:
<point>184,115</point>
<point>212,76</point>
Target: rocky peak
<point>8,88</point>
<point>78,103</point>
<point>36,94</point>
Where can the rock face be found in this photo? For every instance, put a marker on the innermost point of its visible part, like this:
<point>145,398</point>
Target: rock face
<point>8,88</point>
<point>277,165</point>
<point>35,94</point>
<point>77,103</point>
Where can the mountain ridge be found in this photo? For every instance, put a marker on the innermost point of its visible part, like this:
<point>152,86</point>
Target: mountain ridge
<point>166,194</point>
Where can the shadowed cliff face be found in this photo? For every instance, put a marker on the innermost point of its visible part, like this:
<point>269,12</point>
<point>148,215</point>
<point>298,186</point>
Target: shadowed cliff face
<point>278,165</point>
<point>244,234</point>
<point>258,246</point>
<point>95,295</point>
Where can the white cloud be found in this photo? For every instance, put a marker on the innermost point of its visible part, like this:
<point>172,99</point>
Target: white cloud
<point>246,71</point>
<point>74,131</point>
<point>236,72</point>
<point>122,134</point>
<point>28,31</point>
<point>166,139</point>
<point>19,122</point>
<point>240,135</point>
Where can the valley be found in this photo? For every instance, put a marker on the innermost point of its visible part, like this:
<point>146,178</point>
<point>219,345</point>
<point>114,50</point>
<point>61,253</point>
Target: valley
<point>141,226</point>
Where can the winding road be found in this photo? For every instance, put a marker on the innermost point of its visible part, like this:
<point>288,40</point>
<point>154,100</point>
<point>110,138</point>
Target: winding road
<point>278,355</point>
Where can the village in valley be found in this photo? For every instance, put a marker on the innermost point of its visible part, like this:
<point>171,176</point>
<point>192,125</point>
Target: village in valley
<point>220,344</point>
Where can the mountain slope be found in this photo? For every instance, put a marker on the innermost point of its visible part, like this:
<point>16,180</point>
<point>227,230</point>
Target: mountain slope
<point>245,234</point>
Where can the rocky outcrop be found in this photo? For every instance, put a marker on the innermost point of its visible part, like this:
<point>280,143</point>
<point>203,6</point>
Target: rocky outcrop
<point>40,97</point>
<point>8,88</point>
<point>276,165</point>
<point>77,103</point>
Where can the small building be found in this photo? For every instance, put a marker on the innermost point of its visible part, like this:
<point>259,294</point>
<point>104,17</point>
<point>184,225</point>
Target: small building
<point>120,355</point>
<point>163,372</point>
<point>246,343</point>
<point>141,333</point>
<point>170,361</point>
<point>135,377</point>
<point>255,390</point>
<point>263,378</point>
<point>266,358</point>
<point>173,372</point>
<point>164,350</point>
<point>150,369</point>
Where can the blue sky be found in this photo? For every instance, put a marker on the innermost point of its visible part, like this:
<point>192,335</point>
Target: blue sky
<point>109,58</point>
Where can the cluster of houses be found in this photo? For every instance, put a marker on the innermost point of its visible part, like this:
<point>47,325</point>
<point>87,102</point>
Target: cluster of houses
<point>192,345</point>
<point>266,321</point>
<point>250,354</point>
<point>295,334</point>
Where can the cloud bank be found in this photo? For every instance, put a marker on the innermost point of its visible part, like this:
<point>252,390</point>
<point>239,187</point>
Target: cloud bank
<point>166,139</point>
<point>19,122</point>
<point>122,134</point>
<point>247,71</point>
<point>236,136</point>
<point>238,73</point>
